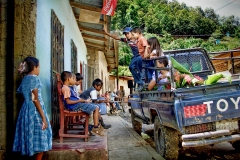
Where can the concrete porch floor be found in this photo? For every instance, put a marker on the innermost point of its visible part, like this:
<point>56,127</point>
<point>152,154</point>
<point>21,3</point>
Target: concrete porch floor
<point>77,149</point>
<point>120,142</point>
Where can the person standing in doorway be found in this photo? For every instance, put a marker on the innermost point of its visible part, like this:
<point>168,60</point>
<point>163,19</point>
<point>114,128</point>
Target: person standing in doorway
<point>33,135</point>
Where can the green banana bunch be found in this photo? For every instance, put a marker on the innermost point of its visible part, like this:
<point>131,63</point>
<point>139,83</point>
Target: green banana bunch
<point>212,79</point>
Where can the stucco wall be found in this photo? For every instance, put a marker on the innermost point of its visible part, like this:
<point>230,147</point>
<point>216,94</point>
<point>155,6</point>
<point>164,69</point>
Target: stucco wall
<point>124,83</point>
<point>65,15</point>
<point>121,82</point>
<point>98,61</point>
<point>103,73</point>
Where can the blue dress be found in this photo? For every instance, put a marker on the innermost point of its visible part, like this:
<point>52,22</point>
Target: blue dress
<point>29,136</point>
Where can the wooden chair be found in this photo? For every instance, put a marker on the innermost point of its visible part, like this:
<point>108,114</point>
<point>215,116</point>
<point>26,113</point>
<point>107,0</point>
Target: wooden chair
<point>67,116</point>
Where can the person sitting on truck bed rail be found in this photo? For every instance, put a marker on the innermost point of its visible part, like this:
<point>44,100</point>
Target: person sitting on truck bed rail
<point>135,65</point>
<point>153,50</point>
<point>162,75</point>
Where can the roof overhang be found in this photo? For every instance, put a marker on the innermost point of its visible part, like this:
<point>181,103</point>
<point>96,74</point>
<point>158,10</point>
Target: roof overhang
<point>92,28</point>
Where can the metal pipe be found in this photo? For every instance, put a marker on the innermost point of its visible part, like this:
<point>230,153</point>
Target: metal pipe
<point>205,142</point>
<point>205,135</point>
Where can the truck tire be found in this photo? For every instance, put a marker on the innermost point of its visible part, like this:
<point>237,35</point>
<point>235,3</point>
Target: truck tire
<point>236,145</point>
<point>137,126</point>
<point>166,140</point>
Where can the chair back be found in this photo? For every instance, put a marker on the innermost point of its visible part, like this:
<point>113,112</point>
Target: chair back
<point>59,91</point>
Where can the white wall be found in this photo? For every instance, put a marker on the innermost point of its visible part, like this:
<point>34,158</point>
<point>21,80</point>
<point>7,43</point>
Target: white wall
<point>124,83</point>
<point>64,13</point>
<point>103,72</point>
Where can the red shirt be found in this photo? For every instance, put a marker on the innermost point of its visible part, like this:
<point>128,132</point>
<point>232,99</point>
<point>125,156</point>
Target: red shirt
<point>141,43</point>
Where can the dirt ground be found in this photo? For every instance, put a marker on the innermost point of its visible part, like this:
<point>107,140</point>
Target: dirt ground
<point>221,151</point>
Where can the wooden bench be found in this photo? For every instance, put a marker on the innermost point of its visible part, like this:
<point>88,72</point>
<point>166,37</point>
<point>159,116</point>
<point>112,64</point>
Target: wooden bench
<point>67,116</point>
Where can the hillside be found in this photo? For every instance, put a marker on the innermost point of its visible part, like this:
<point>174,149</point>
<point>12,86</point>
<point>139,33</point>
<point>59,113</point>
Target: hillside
<point>176,26</point>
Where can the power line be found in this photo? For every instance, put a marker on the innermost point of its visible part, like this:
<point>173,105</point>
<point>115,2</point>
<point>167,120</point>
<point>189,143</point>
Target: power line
<point>224,6</point>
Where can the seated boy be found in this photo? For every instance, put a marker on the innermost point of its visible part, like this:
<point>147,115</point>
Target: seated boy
<point>79,79</point>
<point>92,93</point>
<point>74,103</point>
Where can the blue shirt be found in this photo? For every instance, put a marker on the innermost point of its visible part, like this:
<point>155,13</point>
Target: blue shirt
<point>73,97</point>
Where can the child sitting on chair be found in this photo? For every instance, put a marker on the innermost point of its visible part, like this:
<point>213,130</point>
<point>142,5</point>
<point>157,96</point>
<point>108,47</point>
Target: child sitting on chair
<point>92,94</point>
<point>74,103</point>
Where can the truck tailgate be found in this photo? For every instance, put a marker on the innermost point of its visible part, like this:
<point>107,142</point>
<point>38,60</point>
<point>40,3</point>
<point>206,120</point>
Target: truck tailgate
<point>216,103</point>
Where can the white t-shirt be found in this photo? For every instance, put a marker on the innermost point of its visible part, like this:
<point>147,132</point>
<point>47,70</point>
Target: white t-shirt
<point>161,80</point>
<point>93,94</point>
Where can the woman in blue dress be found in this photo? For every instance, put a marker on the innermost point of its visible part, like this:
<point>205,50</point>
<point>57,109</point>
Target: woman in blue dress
<point>33,135</point>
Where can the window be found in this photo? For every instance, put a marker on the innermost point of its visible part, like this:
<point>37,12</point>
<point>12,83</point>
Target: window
<point>57,65</point>
<point>73,57</point>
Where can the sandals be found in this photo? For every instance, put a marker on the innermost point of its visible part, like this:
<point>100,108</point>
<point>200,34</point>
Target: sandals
<point>97,131</point>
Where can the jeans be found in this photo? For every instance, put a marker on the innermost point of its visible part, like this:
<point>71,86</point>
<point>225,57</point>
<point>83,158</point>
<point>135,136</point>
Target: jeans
<point>149,71</point>
<point>117,105</point>
<point>135,68</point>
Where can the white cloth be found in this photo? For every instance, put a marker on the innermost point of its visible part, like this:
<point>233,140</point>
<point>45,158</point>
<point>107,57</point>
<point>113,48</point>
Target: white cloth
<point>154,51</point>
<point>161,80</point>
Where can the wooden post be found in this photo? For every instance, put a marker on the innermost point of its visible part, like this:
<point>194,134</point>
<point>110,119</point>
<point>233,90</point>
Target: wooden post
<point>117,80</point>
<point>232,62</point>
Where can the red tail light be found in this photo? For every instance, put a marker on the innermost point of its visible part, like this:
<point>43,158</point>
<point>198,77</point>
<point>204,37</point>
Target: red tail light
<point>196,110</point>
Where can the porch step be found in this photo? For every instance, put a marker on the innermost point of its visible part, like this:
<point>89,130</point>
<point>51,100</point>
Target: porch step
<point>78,149</point>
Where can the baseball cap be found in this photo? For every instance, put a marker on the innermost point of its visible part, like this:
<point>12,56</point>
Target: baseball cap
<point>127,29</point>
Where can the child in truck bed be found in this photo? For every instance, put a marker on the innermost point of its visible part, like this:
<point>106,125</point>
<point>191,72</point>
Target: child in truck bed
<point>162,75</point>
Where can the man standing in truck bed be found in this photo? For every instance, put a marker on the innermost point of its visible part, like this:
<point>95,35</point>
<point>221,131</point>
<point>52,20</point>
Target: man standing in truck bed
<point>135,66</point>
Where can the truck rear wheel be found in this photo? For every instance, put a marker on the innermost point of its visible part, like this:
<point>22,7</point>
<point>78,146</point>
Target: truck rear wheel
<point>137,126</point>
<point>166,140</point>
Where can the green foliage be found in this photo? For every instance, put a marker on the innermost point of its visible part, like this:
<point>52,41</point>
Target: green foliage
<point>217,34</point>
<point>158,16</point>
<point>125,54</point>
<point>164,19</point>
<point>122,71</point>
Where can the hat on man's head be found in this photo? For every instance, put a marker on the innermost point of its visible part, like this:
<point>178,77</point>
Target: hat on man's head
<point>127,30</point>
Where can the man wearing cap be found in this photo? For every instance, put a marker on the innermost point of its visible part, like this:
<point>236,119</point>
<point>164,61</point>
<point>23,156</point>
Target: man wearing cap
<point>135,66</point>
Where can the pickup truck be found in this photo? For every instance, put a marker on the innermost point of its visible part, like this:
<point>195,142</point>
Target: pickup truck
<point>193,116</point>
